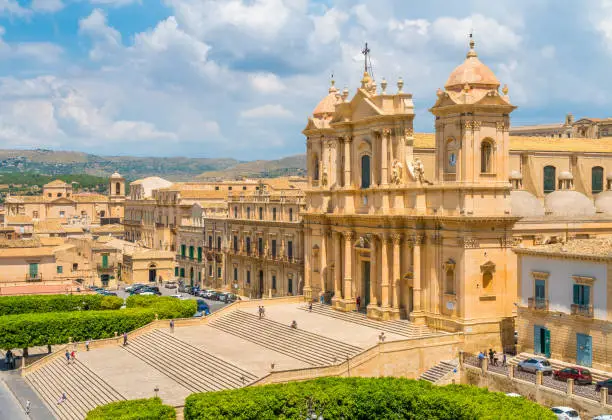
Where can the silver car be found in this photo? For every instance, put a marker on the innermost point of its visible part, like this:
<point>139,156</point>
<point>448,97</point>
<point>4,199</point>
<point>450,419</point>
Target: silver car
<point>536,364</point>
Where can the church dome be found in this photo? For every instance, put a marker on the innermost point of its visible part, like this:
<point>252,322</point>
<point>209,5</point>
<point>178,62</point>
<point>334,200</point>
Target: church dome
<point>473,73</point>
<point>327,106</point>
<point>568,203</point>
<point>565,175</point>
<point>525,204</point>
<point>603,202</point>
<point>515,175</point>
<point>116,175</point>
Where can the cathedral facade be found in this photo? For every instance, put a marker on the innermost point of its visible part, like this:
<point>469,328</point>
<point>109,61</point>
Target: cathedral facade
<point>385,235</point>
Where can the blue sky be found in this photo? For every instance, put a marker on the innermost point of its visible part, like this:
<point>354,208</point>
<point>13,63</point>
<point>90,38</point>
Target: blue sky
<point>238,78</point>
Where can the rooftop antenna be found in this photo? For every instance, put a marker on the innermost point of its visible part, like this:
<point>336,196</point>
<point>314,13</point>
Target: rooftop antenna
<point>367,62</point>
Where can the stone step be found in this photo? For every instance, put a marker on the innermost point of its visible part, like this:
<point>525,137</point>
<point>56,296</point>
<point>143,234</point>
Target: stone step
<point>400,327</point>
<point>302,345</point>
<point>190,366</point>
<point>84,389</point>
<point>437,372</point>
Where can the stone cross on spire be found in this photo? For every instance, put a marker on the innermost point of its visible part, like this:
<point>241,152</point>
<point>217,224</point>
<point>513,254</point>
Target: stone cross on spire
<point>365,52</point>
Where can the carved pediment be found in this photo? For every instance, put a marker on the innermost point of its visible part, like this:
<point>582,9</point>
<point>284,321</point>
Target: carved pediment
<point>62,200</point>
<point>488,267</point>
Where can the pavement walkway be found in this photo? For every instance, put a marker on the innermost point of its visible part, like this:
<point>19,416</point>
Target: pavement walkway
<point>14,392</point>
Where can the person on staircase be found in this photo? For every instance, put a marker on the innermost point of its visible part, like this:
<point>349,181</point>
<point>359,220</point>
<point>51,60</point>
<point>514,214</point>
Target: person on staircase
<point>358,302</point>
<point>125,339</point>
<point>294,324</point>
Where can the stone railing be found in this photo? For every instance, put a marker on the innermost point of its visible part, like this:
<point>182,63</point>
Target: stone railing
<point>117,340</point>
<point>406,358</point>
<point>539,304</point>
<point>582,310</point>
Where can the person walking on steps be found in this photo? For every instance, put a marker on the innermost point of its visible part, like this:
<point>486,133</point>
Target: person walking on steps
<point>87,345</point>
<point>260,311</point>
<point>358,302</point>
<point>125,339</point>
<point>73,356</point>
<point>62,398</point>
<point>28,407</point>
<point>172,326</point>
<point>310,307</point>
<point>67,354</point>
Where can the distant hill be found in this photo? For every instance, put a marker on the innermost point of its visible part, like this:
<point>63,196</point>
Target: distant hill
<point>54,163</point>
<point>57,163</point>
<point>291,165</point>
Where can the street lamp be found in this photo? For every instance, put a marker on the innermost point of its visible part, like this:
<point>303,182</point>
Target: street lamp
<point>156,390</point>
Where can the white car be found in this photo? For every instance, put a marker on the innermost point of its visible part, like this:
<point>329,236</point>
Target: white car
<point>146,294</point>
<point>603,417</point>
<point>565,413</point>
<point>178,296</point>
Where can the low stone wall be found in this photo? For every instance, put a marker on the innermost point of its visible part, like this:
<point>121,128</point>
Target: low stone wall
<point>543,395</point>
<point>405,358</point>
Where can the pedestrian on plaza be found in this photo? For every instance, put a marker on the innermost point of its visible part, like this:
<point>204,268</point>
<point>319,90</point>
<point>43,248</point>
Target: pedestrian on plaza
<point>87,345</point>
<point>504,359</point>
<point>263,311</point>
<point>125,339</point>
<point>322,298</point>
<point>495,358</point>
<point>67,356</point>
<point>294,325</point>
<point>73,356</point>
<point>491,356</point>
<point>172,326</point>
<point>310,307</point>
<point>28,407</point>
<point>62,398</point>
<point>260,310</point>
<point>481,357</point>
<point>358,301</point>
<point>381,337</point>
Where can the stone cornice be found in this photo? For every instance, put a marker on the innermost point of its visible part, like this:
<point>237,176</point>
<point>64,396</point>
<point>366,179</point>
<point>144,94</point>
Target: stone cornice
<point>561,255</point>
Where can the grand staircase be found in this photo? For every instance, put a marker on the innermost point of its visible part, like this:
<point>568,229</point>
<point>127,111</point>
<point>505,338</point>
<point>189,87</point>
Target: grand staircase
<point>400,327</point>
<point>189,366</point>
<point>305,346</point>
<point>83,388</point>
<point>437,372</point>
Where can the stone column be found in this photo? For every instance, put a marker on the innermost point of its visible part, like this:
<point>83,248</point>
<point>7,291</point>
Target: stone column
<point>307,262</point>
<point>396,238</point>
<point>384,160</point>
<point>337,265</point>
<point>348,265</point>
<point>416,275</point>
<point>384,265</point>
<point>373,273</point>
<point>323,265</point>
<point>347,161</point>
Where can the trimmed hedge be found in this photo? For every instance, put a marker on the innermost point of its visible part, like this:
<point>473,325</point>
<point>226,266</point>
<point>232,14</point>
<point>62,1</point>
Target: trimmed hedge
<point>38,329</point>
<point>145,409</point>
<point>362,398</point>
<point>166,307</point>
<point>13,305</point>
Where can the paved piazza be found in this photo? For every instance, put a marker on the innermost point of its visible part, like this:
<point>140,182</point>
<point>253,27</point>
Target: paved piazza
<point>232,350</point>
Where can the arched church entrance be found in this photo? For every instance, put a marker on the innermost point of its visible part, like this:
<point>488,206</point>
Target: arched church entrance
<point>152,273</point>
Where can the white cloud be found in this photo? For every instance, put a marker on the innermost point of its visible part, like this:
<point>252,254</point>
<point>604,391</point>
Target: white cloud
<point>266,83</point>
<point>115,3</point>
<point>548,51</point>
<point>266,112</point>
<point>107,40</point>
<point>50,6</point>
<point>327,26</point>
<point>12,7</point>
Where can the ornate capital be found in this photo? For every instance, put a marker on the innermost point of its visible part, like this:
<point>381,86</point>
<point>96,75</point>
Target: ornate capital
<point>468,242</point>
<point>349,235</point>
<point>473,125</point>
<point>540,275</point>
<point>415,239</point>
<point>501,125</point>
<point>506,241</point>
<point>386,132</point>
<point>396,238</point>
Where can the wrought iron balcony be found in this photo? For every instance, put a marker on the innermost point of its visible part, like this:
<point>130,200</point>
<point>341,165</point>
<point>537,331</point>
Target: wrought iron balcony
<point>539,304</point>
<point>107,267</point>
<point>582,310</point>
<point>33,277</point>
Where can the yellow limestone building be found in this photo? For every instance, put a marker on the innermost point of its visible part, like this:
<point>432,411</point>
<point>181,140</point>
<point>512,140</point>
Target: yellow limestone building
<point>436,251</point>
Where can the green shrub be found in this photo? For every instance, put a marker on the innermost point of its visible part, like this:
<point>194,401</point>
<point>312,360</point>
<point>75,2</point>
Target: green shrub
<point>13,305</point>
<point>27,330</point>
<point>164,306</point>
<point>146,409</point>
<point>361,398</point>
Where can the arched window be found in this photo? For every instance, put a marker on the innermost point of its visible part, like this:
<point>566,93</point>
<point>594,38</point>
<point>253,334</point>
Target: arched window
<point>248,245</point>
<point>261,213</point>
<point>597,174</point>
<point>248,213</point>
<point>118,188</point>
<point>218,243</point>
<point>449,279</point>
<point>486,157</point>
<point>487,281</point>
<point>550,177</point>
<point>315,164</point>
<point>235,212</point>
<point>274,213</point>
<point>291,215</point>
<point>365,171</point>
<point>451,156</point>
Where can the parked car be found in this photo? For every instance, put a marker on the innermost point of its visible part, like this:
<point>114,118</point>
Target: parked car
<point>148,291</point>
<point>199,314</point>
<point>223,297</point>
<point>131,287</point>
<point>565,413</point>
<point>536,364</point>
<point>178,296</point>
<point>208,294</point>
<point>182,288</point>
<point>203,307</point>
<point>108,293</point>
<point>215,295</point>
<point>578,374</point>
<point>232,298</point>
<point>603,417</point>
<point>137,288</point>
<point>170,285</point>
<point>606,383</point>
<point>194,290</point>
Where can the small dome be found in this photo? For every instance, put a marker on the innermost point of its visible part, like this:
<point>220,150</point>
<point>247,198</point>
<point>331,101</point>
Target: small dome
<point>565,175</point>
<point>327,106</point>
<point>609,177</point>
<point>472,73</point>
<point>603,202</point>
<point>116,175</point>
<point>516,175</point>
<point>568,203</point>
<point>525,204</point>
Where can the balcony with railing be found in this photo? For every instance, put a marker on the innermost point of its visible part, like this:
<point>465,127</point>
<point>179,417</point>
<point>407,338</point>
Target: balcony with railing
<point>33,277</point>
<point>582,310</point>
<point>106,267</point>
<point>538,304</point>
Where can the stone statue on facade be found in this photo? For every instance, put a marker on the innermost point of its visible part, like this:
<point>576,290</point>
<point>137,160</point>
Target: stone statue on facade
<point>324,176</point>
<point>419,170</point>
<point>396,174</point>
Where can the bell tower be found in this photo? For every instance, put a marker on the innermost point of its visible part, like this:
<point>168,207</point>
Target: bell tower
<point>472,126</point>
